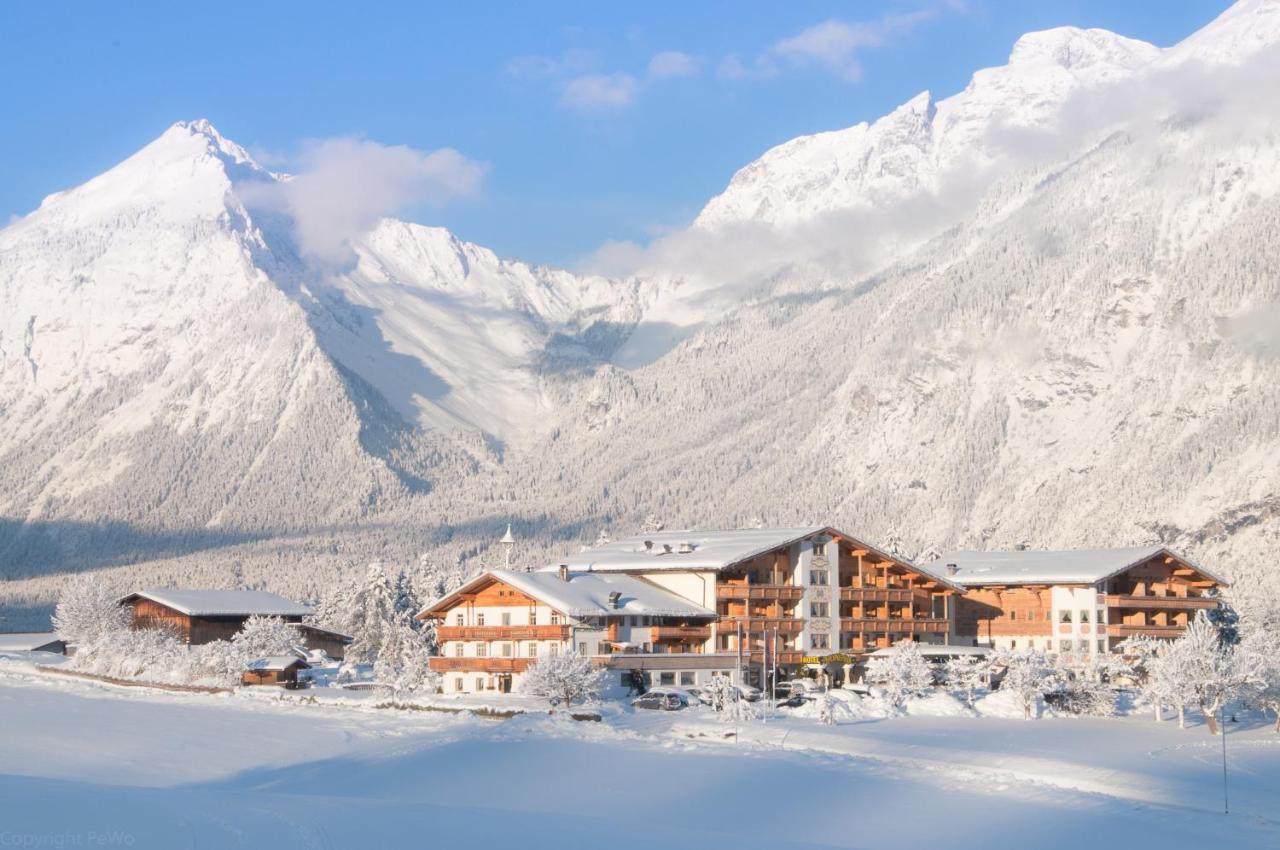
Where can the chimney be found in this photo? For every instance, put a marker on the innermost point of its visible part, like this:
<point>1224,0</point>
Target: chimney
<point>685,548</point>
<point>952,569</point>
<point>666,548</point>
<point>564,572</point>
<point>614,596</point>
<point>648,546</point>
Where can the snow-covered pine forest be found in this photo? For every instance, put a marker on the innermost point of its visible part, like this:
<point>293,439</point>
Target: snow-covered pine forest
<point>1075,345</point>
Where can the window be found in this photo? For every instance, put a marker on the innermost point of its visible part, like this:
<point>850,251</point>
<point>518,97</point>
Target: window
<point>1102,615</point>
<point>1102,646</point>
<point>533,616</point>
<point>533,649</point>
<point>819,641</point>
<point>582,648</point>
<point>1065,617</point>
<point>1013,644</point>
<point>555,618</point>
<point>819,609</point>
<point>479,684</point>
<point>506,650</point>
<point>480,619</point>
<point>1082,645</point>
<point>460,620</point>
<point>458,684</point>
<point>482,650</point>
<point>819,548</point>
<point>554,649</point>
<point>1064,645</point>
<point>457,650</point>
<point>1084,616</point>
<point>666,678</point>
<point>687,678</point>
<point>1013,615</point>
<point>818,577</point>
<point>506,618</point>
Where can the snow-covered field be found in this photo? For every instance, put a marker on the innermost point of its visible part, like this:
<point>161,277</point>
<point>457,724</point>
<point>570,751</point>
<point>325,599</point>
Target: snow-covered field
<point>95,765</point>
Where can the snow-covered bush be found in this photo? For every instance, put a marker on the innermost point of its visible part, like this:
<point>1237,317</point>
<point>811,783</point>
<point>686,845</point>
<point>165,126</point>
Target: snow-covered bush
<point>1083,694</point>
<point>263,636</point>
<point>903,672</point>
<point>826,710</point>
<point>966,674</point>
<point>563,679</point>
<point>1029,674</point>
<point>88,610</point>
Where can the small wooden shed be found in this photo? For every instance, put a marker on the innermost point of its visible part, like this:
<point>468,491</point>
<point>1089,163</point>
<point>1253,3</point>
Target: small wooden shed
<point>274,670</point>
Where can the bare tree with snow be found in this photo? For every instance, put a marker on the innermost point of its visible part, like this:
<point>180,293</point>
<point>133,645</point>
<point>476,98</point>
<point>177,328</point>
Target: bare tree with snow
<point>88,610</point>
<point>563,679</point>
<point>967,674</point>
<point>1029,673</point>
<point>903,672</point>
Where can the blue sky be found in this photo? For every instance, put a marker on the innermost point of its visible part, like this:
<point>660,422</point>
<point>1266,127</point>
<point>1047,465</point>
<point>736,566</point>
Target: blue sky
<point>596,121</point>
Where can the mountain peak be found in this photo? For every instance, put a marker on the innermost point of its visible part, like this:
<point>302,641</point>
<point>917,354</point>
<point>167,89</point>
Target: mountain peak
<point>1077,50</point>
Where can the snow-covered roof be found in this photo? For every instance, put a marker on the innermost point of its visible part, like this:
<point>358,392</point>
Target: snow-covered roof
<point>225,603</point>
<point>585,594</point>
<point>275,663</point>
<point>707,550</point>
<point>1069,566</point>
<point>26,641</point>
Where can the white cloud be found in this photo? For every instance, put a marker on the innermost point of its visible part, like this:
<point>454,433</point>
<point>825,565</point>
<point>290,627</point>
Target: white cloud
<point>342,187</point>
<point>671,64</point>
<point>732,67</point>
<point>600,91</point>
<point>833,44</point>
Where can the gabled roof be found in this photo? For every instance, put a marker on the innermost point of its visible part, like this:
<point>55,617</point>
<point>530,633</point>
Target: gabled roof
<point>275,663</point>
<point>710,550</point>
<point>1069,566</point>
<point>224,603</point>
<point>585,594</point>
<point>26,641</point>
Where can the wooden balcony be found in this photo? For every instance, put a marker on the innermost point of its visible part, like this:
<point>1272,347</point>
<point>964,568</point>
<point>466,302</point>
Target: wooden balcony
<point>681,632</point>
<point>901,625</point>
<point>729,625</point>
<point>502,632</point>
<point>779,592</point>
<point>441,664</point>
<point>1175,603</point>
<point>878,594</point>
<point>1150,630</point>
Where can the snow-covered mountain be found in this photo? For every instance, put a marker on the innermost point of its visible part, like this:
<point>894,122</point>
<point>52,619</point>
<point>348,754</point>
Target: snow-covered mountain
<point>1045,310</point>
<point>167,359</point>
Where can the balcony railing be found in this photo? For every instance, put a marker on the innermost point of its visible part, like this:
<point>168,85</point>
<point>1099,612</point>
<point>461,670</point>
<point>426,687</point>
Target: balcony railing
<point>785,656</point>
<point>441,664</point>
<point>920,625</point>
<point>1125,600</point>
<point>877,594</point>
<point>502,632</point>
<point>781,592</point>
<point>1150,630</point>
<point>681,632</point>
<point>729,625</point>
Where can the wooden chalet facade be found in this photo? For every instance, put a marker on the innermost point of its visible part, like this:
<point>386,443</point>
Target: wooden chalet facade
<point>493,628</point>
<point>1079,602</point>
<point>281,670</point>
<point>202,616</point>
<point>796,596</point>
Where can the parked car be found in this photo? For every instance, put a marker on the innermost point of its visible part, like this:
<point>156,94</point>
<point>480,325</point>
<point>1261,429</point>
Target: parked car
<point>658,701</point>
<point>700,694</point>
<point>683,694</point>
<point>749,692</point>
